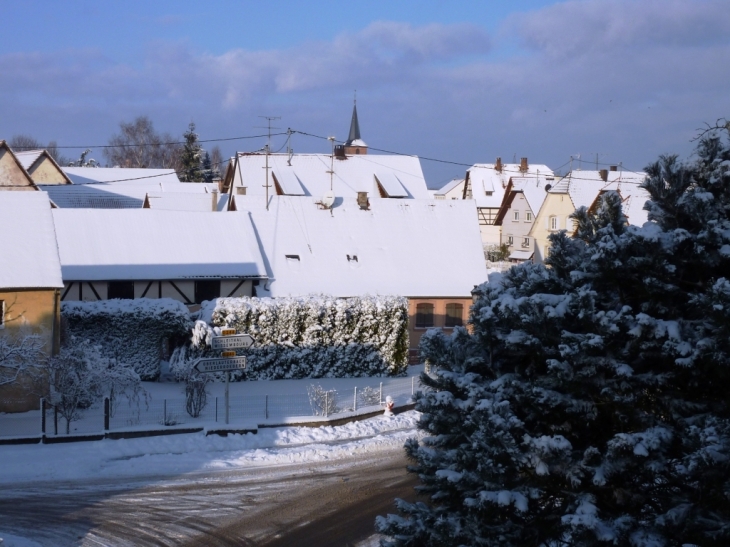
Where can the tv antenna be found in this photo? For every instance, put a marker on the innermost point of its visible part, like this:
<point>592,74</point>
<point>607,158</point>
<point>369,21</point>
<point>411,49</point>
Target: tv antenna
<point>269,119</point>
<point>267,148</point>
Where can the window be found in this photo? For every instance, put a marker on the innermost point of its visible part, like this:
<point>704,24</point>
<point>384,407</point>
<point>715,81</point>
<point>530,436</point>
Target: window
<point>525,241</point>
<point>517,216</point>
<point>424,316</point>
<point>528,216</point>
<point>510,240</point>
<point>2,314</point>
<point>120,289</point>
<point>454,315</point>
<point>207,290</point>
<point>553,223</point>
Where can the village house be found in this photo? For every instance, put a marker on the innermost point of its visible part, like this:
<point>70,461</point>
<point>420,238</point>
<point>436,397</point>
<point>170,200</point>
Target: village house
<point>426,250</point>
<point>13,175</point>
<point>143,253</point>
<point>42,168</point>
<point>486,183</point>
<point>580,188</point>
<point>522,200</point>
<point>30,285</point>
<point>454,189</point>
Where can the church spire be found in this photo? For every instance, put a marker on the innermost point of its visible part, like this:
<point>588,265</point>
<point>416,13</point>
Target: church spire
<point>355,144</point>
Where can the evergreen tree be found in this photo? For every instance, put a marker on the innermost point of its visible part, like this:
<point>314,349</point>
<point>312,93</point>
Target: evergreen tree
<point>207,168</point>
<point>589,405</point>
<point>191,157</point>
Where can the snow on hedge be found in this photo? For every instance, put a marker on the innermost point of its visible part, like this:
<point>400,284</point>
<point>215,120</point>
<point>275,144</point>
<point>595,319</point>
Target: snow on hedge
<point>311,336</point>
<point>132,331</point>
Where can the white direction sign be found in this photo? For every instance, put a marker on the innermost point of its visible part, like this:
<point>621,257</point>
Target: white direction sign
<point>220,364</point>
<point>232,342</point>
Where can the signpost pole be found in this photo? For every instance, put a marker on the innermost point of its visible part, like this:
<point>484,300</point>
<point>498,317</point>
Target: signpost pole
<point>228,376</point>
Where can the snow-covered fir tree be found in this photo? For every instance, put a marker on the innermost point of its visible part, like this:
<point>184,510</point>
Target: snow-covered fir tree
<point>589,406</point>
<point>191,158</point>
<point>207,168</point>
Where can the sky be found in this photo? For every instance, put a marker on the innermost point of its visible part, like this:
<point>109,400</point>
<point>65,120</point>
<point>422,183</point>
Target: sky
<point>607,81</point>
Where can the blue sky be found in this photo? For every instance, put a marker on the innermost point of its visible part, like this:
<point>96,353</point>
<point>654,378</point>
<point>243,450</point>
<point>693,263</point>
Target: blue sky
<point>461,81</point>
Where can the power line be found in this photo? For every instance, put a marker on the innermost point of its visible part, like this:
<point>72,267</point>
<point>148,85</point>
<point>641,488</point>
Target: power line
<point>169,143</point>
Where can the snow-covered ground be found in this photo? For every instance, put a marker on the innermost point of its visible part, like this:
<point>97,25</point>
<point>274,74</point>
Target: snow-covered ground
<point>191,454</point>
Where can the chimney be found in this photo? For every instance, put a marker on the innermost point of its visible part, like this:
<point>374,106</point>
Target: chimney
<point>362,201</point>
<point>523,165</point>
<point>498,165</point>
<point>214,200</point>
<point>604,175</point>
<point>614,168</point>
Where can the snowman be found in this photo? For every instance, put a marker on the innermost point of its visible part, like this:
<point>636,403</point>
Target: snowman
<point>389,403</point>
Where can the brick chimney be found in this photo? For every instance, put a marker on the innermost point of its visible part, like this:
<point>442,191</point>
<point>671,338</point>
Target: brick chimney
<point>498,165</point>
<point>362,201</point>
<point>604,175</point>
<point>523,165</point>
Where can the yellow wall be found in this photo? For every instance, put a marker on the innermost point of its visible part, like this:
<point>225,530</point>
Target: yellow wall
<point>34,311</point>
<point>558,205</point>
<point>439,319</point>
<point>45,172</point>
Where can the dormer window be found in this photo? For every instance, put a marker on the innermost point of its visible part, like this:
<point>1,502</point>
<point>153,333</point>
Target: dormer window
<point>292,258</point>
<point>352,258</point>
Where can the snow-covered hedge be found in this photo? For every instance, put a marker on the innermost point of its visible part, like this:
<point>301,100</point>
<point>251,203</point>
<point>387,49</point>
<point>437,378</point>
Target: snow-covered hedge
<point>313,336</point>
<point>131,331</point>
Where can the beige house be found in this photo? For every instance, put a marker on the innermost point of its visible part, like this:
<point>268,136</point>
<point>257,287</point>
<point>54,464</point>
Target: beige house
<point>30,284</point>
<point>42,168</point>
<point>13,175</point>
<point>580,189</point>
<point>522,200</point>
<point>453,190</point>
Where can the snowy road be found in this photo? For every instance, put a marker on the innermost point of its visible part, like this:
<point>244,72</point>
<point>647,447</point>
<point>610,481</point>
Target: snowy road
<point>329,494</point>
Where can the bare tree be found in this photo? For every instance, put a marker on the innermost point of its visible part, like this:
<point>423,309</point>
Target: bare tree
<point>22,143</point>
<point>20,354</point>
<point>216,160</point>
<point>139,145</point>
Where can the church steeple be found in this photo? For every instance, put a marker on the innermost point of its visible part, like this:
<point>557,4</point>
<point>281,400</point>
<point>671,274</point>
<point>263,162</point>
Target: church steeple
<point>355,144</point>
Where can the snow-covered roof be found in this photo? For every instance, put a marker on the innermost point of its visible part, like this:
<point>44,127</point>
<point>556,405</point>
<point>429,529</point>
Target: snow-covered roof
<point>144,244</point>
<point>488,184</point>
<point>28,251</point>
<point>179,201</point>
<point>449,186</point>
<point>121,175</point>
<point>28,158</point>
<point>521,255</point>
<point>308,175</point>
<point>584,186</point>
<point>96,196</point>
<point>410,248</point>
<point>119,196</point>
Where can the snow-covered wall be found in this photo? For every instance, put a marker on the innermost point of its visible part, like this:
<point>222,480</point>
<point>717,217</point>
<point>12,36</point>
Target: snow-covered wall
<point>311,336</point>
<point>132,331</point>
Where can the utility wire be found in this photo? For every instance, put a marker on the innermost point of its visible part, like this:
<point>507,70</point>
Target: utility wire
<point>168,143</point>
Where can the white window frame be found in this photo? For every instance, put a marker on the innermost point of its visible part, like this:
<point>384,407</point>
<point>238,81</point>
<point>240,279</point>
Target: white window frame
<point>525,241</point>
<point>528,216</point>
<point>553,223</point>
<point>516,216</point>
<point>510,241</point>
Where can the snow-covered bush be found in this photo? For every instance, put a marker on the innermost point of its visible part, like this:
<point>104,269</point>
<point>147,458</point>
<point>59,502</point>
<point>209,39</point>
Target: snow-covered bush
<point>314,336</point>
<point>323,401</point>
<point>590,404</point>
<point>131,331</point>
<point>80,376</point>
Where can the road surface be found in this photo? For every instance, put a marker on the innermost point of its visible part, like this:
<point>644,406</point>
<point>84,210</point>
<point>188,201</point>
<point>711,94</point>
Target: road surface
<point>313,504</point>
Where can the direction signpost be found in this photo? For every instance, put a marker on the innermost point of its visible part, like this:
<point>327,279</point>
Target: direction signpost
<point>228,360</point>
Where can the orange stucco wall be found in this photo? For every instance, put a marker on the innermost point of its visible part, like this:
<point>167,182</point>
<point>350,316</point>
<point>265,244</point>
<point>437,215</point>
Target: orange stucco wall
<point>439,319</point>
